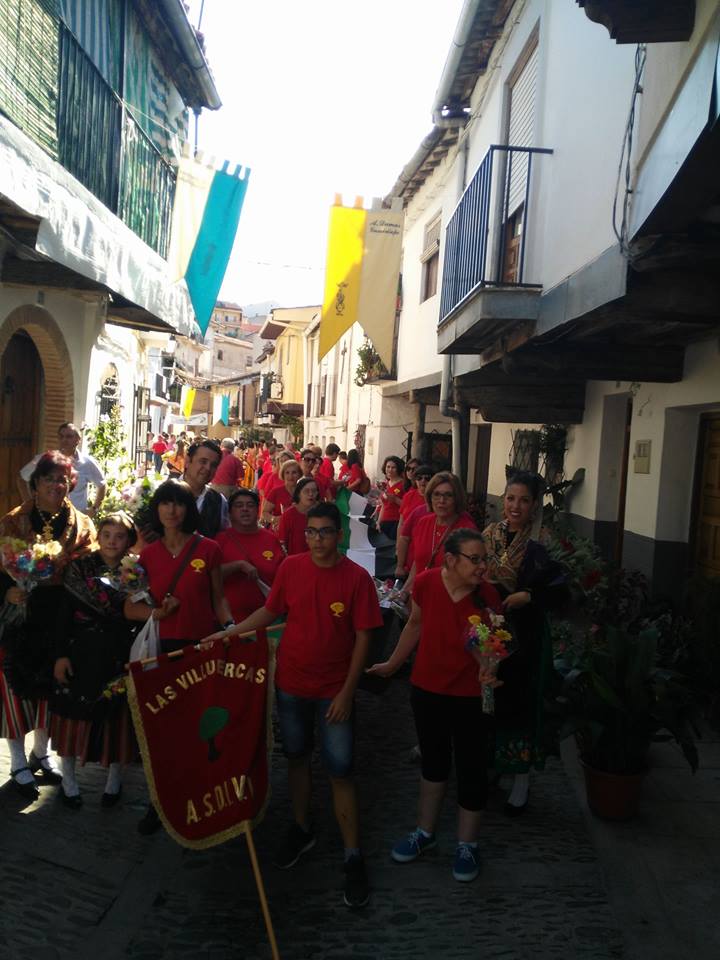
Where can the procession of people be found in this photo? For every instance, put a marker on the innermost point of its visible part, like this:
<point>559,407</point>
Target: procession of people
<point>235,536</point>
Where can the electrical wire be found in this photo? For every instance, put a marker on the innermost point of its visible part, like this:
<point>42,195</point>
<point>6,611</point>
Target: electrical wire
<point>626,157</point>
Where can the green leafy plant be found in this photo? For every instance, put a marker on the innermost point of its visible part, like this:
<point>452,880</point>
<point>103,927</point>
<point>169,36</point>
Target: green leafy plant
<point>618,702</point>
<point>107,441</point>
<point>370,367</point>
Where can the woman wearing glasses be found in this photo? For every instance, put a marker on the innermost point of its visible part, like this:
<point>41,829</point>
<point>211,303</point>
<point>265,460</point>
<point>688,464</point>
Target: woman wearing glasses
<point>446,695</point>
<point>445,498</point>
<point>26,680</point>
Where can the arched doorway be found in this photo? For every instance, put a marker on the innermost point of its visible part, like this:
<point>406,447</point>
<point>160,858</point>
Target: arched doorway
<point>21,383</point>
<point>36,392</point>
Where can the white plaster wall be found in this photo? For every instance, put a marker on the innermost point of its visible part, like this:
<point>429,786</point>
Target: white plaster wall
<point>79,321</point>
<point>123,348</point>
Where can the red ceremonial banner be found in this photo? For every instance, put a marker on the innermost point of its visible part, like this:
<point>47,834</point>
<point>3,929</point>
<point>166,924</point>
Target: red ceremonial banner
<point>202,721</point>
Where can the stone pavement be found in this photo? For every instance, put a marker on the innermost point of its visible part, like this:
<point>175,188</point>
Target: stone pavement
<point>82,885</point>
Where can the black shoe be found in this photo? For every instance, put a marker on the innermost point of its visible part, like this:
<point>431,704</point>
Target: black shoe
<point>357,890</point>
<point>110,799</point>
<point>296,842</point>
<point>74,802</point>
<point>36,765</point>
<point>150,823</point>
<point>27,790</point>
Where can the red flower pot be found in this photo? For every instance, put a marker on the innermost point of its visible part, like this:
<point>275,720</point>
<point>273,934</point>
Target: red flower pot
<point>612,796</point>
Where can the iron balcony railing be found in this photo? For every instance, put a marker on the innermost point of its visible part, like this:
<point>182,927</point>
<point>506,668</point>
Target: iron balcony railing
<point>104,147</point>
<point>485,236</point>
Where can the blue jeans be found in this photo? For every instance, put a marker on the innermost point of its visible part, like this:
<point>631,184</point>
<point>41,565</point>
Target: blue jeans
<point>298,715</point>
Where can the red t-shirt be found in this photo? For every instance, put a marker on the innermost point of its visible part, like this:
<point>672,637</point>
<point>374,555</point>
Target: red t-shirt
<point>390,510</point>
<point>265,479</point>
<point>325,608</point>
<point>291,531</point>
<point>195,617</point>
<point>260,548</point>
<point>344,471</point>
<point>280,499</point>
<point>428,534</point>
<point>356,473</point>
<point>412,499</point>
<point>442,664</point>
<point>159,446</point>
<point>327,468</point>
<point>230,471</point>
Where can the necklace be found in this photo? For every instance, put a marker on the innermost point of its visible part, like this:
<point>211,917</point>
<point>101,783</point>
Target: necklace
<point>48,521</point>
<point>178,551</point>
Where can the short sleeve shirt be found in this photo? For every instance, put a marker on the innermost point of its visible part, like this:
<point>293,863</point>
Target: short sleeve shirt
<point>429,536</point>
<point>262,549</point>
<point>390,510</point>
<point>280,499</point>
<point>195,617</point>
<point>291,531</point>
<point>442,664</point>
<point>325,607</point>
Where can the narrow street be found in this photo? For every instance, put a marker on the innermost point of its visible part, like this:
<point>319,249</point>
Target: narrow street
<point>85,885</point>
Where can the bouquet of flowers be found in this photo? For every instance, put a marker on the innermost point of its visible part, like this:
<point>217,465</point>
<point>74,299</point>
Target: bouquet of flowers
<point>28,564</point>
<point>489,644</point>
<point>130,578</point>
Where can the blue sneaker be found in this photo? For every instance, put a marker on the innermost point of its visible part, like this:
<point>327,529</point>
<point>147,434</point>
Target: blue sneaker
<point>466,865</point>
<point>412,846</point>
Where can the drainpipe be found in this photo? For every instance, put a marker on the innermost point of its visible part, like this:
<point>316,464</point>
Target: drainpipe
<point>446,410</point>
<point>457,48</point>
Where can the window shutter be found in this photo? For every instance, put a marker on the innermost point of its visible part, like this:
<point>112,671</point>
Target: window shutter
<point>521,129</point>
<point>29,68</point>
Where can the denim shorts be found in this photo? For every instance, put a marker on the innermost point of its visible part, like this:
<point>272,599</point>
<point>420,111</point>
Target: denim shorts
<point>298,716</point>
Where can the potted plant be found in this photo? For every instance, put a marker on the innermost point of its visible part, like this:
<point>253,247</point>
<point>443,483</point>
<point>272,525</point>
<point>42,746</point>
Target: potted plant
<point>617,702</point>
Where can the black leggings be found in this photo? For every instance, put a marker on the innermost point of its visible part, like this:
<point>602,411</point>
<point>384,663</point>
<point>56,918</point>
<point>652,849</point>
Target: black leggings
<point>447,724</point>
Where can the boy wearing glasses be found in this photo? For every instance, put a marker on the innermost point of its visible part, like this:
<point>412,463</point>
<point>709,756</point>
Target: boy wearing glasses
<point>331,606</point>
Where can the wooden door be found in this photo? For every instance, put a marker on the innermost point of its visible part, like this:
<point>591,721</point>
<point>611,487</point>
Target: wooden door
<point>707,512</point>
<point>21,379</point>
<point>512,247</point>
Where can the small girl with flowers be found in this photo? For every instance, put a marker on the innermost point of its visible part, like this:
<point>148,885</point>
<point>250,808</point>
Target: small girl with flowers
<point>90,716</point>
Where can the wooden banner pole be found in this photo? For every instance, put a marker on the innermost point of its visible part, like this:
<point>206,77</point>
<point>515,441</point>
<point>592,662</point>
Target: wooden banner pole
<point>226,640</point>
<point>261,892</point>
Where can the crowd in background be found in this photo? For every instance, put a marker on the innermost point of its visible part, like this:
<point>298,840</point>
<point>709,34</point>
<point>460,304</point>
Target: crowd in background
<point>222,523</point>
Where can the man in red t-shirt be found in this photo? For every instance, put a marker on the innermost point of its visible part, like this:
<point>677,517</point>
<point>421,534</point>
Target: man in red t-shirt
<point>230,470</point>
<point>327,464</point>
<point>331,606</point>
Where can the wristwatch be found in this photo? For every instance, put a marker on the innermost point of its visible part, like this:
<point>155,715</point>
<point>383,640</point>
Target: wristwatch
<point>230,623</point>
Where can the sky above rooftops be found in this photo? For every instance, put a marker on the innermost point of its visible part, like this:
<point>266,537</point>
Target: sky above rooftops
<point>319,98</point>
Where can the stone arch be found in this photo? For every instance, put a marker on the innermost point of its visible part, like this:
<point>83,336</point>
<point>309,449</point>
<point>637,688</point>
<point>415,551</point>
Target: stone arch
<point>58,400</point>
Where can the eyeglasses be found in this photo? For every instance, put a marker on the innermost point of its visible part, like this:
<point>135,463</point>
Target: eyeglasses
<point>474,558</point>
<point>309,459</point>
<point>442,496</point>
<point>61,479</point>
<point>320,532</point>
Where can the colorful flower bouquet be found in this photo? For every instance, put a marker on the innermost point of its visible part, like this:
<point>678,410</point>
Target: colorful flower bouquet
<point>28,564</point>
<point>489,644</point>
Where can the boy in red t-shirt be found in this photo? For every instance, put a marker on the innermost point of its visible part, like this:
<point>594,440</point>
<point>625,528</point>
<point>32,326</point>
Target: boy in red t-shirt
<point>331,607</point>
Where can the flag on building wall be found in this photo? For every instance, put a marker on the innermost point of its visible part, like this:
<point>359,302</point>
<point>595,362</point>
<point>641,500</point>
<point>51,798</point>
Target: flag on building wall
<point>221,408</point>
<point>361,276</point>
<point>187,399</point>
<point>206,213</point>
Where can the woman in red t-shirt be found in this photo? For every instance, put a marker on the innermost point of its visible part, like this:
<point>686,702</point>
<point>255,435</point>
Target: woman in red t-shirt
<point>251,556</point>
<point>197,601</point>
<point>413,507</point>
<point>392,496</point>
<point>357,479</point>
<point>294,520</point>
<point>446,695</point>
<point>446,500</point>
<point>280,498</point>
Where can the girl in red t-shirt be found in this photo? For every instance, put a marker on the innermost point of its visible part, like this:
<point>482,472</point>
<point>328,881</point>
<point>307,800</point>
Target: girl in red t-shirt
<point>446,695</point>
<point>294,520</point>
<point>392,496</point>
<point>357,479</point>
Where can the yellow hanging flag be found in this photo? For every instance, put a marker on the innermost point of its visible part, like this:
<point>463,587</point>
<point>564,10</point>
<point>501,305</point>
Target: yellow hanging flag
<point>188,401</point>
<point>346,241</point>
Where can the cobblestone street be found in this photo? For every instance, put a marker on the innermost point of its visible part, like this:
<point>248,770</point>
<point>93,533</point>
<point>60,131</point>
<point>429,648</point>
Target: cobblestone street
<point>85,884</point>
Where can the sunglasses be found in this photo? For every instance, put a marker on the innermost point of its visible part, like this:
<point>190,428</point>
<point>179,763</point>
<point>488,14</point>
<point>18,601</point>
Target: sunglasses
<point>320,533</point>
